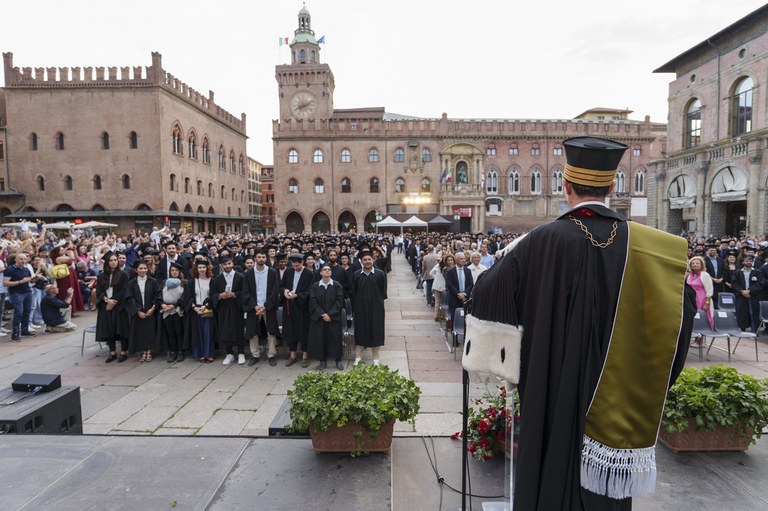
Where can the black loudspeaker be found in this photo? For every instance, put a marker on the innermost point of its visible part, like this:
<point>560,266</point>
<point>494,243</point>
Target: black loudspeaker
<point>51,413</point>
<point>30,381</point>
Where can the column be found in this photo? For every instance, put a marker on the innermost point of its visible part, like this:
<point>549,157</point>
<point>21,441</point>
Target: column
<point>755,195</point>
<point>702,213</point>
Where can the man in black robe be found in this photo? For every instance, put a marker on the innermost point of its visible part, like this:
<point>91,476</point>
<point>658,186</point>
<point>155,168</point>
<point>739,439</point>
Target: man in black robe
<point>294,288</point>
<point>562,285</point>
<point>369,290</point>
<point>326,301</point>
<point>261,286</point>
<point>228,297</point>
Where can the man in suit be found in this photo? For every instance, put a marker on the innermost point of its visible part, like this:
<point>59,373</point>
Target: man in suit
<point>171,256</point>
<point>458,283</point>
<point>261,286</point>
<point>294,288</point>
<point>227,298</point>
<point>714,267</point>
<point>748,285</point>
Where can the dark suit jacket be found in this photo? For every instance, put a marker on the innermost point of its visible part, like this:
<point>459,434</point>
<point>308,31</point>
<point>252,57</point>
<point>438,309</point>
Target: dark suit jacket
<point>710,268</point>
<point>270,304</point>
<point>452,287</point>
<point>755,286</point>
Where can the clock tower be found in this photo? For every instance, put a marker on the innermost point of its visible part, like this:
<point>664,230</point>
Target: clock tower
<point>305,85</point>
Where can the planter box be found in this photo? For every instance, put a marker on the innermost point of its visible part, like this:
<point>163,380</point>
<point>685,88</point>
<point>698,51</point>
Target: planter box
<point>352,438</point>
<point>721,439</point>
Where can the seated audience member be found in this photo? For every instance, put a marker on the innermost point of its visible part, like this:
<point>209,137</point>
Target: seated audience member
<point>57,313</point>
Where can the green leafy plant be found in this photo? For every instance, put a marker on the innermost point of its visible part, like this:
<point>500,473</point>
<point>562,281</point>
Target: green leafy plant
<point>489,423</point>
<point>717,396</point>
<point>368,395</point>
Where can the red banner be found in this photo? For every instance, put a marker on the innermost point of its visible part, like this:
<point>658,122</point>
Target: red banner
<point>463,212</point>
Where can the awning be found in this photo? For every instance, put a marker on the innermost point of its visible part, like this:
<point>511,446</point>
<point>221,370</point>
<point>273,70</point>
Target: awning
<point>682,202</point>
<point>729,196</point>
<point>388,222</point>
<point>414,221</point>
<point>440,220</point>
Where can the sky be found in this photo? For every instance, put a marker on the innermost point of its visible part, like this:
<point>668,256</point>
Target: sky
<point>483,59</point>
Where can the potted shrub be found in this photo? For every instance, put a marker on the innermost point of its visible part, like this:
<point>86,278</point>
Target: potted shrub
<point>352,411</point>
<point>714,408</point>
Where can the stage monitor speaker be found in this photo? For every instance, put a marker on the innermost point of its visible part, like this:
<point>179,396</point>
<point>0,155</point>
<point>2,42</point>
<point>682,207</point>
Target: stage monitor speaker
<point>52,413</point>
<point>28,382</point>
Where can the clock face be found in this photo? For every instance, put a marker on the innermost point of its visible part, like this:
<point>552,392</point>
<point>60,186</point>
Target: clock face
<point>303,105</point>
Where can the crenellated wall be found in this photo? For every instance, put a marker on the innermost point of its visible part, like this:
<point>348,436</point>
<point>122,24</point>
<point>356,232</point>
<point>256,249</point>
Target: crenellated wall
<point>137,76</point>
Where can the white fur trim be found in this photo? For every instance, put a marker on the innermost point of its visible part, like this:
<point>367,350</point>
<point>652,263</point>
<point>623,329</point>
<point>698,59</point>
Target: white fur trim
<point>511,245</point>
<point>617,473</point>
<point>484,344</point>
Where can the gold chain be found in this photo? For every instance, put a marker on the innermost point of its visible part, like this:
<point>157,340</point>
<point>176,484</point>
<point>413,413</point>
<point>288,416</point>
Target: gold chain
<point>589,234</point>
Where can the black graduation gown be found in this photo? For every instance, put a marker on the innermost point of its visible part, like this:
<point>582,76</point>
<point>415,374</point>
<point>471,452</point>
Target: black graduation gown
<point>296,311</point>
<point>564,292</point>
<point>339,274</point>
<point>743,305</point>
<point>368,295</point>
<point>144,332</point>
<point>112,325</point>
<point>191,328</point>
<point>325,337</point>
<point>228,312</point>
<point>252,327</point>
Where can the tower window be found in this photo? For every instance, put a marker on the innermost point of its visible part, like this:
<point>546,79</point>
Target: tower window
<point>97,182</point>
<point>60,141</point>
<point>293,156</point>
<point>346,185</point>
<point>373,155</point>
<point>33,141</point>
<point>399,155</point>
<point>134,140</point>
<point>346,156</point>
<point>105,140</point>
<point>68,183</point>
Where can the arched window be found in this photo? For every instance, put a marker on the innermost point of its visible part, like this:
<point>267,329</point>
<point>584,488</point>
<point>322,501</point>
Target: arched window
<point>346,185</point>
<point>206,151</point>
<point>639,182</point>
<point>514,183</point>
<point>373,185</point>
<point>60,141</point>
<point>693,124</point>
<point>492,183</point>
<point>303,56</point>
<point>513,151</point>
<point>426,155</point>
<point>173,182</point>
<point>234,197</point>
<point>319,185</point>
<point>105,140</point>
<point>68,182</point>
<point>373,155</point>
<point>346,156</point>
<point>557,150</point>
<point>192,146</point>
<point>134,140</point>
<point>232,167</point>
<point>293,156</point>
<point>222,192</point>
<point>173,207</point>
<point>242,199</point>
<point>241,165</point>
<point>293,186</point>
<point>399,155</point>
<point>490,149</point>
<point>535,150</point>
<point>742,106</point>
<point>621,184</point>
<point>187,188</point>
<point>222,158</point>
<point>557,182</point>
<point>33,141</point>
<point>176,138</point>
<point>210,189</point>
<point>535,182</point>
<point>41,183</point>
<point>97,182</point>
<point>126,179</point>
<point>317,156</point>
<point>399,185</point>
<point>426,185</point>
<point>199,187</point>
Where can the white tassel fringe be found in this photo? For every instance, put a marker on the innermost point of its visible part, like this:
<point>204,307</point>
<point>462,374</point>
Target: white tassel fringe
<point>617,473</point>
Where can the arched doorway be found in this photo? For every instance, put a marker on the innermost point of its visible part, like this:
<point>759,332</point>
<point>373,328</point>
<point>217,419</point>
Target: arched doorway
<point>347,222</point>
<point>294,223</point>
<point>370,222</point>
<point>321,222</point>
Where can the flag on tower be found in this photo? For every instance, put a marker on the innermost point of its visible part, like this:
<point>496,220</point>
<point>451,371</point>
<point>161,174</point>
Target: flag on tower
<point>321,40</point>
<point>283,40</point>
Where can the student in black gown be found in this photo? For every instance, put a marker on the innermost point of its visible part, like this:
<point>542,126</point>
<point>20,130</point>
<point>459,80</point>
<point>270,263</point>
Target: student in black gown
<point>111,317</point>
<point>227,299</point>
<point>326,300</point>
<point>369,290</point>
<point>142,301</point>
<point>294,288</point>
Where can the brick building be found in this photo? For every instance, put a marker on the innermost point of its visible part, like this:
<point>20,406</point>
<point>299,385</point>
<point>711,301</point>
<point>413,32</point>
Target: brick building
<point>338,169</point>
<point>129,145</point>
<point>714,177</point>
<point>268,198</point>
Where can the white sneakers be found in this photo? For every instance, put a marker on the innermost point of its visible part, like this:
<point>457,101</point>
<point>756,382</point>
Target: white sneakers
<point>231,358</point>
<point>375,361</point>
<point>357,361</point>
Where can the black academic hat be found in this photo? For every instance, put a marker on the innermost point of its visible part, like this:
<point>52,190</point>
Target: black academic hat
<point>732,252</point>
<point>224,258</point>
<point>748,256</point>
<point>204,262</point>
<point>281,256</point>
<point>178,267</point>
<point>296,257</point>
<point>106,256</point>
<point>169,242</point>
<point>137,262</point>
<point>308,255</point>
<point>261,250</point>
<point>592,161</point>
<point>364,247</point>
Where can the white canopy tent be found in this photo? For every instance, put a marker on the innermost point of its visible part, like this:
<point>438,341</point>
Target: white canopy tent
<point>414,221</point>
<point>60,225</point>
<point>389,222</point>
<point>95,225</point>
